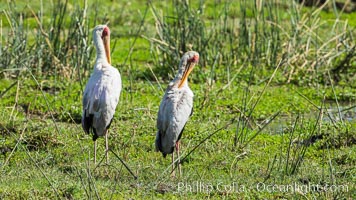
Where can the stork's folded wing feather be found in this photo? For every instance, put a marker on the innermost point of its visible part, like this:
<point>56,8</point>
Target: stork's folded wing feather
<point>101,97</point>
<point>173,114</point>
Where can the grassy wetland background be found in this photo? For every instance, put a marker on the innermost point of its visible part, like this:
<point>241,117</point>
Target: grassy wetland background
<point>275,97</point>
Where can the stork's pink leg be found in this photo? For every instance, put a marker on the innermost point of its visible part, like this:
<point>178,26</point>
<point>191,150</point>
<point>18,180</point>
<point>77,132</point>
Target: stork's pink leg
<point>173,172</point>
<point>107,147</point>
<point>178,154</point>
<point>95,152</point>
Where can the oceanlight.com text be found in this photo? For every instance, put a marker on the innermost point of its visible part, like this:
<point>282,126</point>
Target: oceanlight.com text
<point>234,187</point>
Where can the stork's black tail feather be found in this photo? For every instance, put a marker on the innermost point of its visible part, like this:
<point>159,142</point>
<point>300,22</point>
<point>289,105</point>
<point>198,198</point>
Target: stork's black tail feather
<point>87,124</point>
<point>159,145</point>
<point>158,141</point>
<point>95,135</point>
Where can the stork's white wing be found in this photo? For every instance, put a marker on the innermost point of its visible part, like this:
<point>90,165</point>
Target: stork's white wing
<point>101,97</point>
<point>175,109</point>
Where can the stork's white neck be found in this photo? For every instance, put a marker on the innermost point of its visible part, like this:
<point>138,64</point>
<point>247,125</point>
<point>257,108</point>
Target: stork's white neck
<point>179,76</point>
<point>100,49</point>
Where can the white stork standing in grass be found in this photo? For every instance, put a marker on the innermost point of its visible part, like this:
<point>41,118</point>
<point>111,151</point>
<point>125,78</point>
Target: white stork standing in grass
<point>175,109</point>
<point>102,91</point>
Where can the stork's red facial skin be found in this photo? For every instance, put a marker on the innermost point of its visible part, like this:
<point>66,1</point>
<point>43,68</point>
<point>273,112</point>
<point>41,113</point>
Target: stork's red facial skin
<point>195,59</point>
<point>106,32</point>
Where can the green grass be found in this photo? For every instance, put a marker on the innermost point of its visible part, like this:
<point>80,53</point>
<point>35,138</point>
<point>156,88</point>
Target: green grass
<point>44,153</point>
<point>63,156</point>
